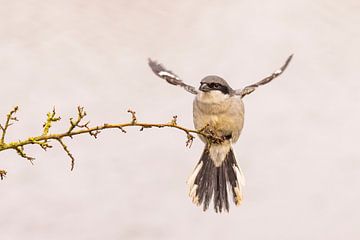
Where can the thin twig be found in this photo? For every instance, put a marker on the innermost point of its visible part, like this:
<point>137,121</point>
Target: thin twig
<point>8,123</point>
<point>81,115</point>
<point>21,152</point>
<point>2,174</point>
<point>68,153</point>
<point>133,116</point>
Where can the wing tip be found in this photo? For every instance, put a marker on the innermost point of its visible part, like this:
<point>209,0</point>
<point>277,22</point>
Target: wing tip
<point>289,59</point>
<point>155,66</point>
<point>151,62</point>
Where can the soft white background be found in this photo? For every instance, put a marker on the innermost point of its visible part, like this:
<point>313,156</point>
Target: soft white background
<point>300,145</point>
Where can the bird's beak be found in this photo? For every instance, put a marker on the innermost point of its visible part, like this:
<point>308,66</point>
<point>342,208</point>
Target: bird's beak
<point>204,87</point>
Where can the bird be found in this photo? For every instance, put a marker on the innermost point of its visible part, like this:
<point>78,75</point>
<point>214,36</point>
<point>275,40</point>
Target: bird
<point>219,109</point>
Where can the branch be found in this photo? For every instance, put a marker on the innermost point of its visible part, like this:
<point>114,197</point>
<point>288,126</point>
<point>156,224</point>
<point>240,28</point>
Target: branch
<point>78,128</point>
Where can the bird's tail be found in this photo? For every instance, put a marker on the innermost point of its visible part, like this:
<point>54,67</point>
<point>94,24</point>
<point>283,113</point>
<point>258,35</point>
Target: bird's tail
<point>208,180</point>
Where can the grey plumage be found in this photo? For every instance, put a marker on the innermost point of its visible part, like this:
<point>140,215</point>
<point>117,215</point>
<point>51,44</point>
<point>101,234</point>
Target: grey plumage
<point>216,106</point>
<point>220,108</point>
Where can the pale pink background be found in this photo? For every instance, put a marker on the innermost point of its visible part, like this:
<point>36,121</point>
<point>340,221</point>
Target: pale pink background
<point>299,149</point>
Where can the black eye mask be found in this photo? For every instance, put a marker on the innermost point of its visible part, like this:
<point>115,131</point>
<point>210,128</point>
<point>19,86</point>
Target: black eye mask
<point>221,88</point>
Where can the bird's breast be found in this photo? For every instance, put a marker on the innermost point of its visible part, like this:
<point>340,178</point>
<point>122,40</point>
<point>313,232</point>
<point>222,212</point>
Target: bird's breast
<point>224,117</point>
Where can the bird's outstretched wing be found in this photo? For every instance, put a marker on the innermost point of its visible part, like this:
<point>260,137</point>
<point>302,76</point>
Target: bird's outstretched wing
<point>249,89</point>
<point>170,77</point>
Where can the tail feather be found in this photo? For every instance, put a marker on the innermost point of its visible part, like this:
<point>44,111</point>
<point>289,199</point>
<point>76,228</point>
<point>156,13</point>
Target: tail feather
<point>221,197</point>
<point>235,178</point>
<point>204,180</point>
<point>209,181</point>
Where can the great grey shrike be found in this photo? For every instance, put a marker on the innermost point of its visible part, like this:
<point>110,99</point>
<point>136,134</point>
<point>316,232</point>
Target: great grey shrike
<point>218,108</point>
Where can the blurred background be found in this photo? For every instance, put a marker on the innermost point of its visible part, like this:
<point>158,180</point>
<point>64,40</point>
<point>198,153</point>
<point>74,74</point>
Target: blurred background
<point>299,149</point>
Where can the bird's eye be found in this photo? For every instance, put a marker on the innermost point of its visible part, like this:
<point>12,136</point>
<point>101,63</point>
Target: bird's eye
<point>214,85</point>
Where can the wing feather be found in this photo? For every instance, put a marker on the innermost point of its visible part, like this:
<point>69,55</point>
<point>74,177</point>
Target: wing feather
<point>169,76</point>
<point>249,89</point>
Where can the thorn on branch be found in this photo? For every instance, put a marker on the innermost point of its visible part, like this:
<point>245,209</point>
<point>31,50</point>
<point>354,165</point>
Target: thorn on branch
<point>16,108</point>
<point>133,116</point>
<point>86,125</point>
<point>94,133</point>
<point>2,174</point>
<point>190,139</point>
<point>68,153</point>
<point>121,129</point>
<point>173,121</point>
<point>143,127</point>
<point>81,112</point>
<point>44,145</point>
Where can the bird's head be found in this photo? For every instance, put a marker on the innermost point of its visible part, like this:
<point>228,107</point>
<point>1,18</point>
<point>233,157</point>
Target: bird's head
<point>215,83</point>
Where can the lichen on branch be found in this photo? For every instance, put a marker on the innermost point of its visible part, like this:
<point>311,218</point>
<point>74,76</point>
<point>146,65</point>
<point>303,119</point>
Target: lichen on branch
<point>78,127</point>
